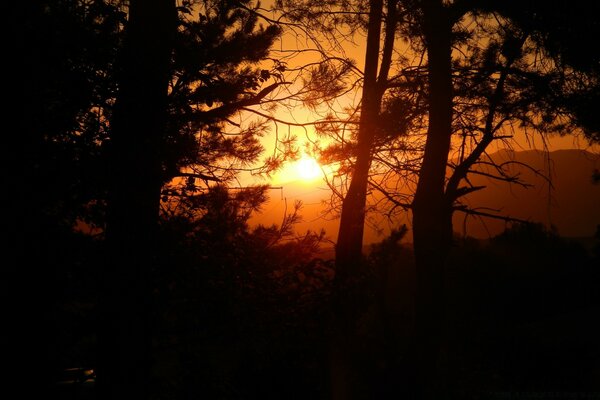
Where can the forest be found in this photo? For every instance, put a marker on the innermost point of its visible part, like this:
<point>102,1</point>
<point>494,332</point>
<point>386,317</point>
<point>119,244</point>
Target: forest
<point>141,146</point>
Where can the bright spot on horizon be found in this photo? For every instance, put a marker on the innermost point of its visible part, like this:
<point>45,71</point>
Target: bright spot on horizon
<point>308,168</point>
<point>305,169</point>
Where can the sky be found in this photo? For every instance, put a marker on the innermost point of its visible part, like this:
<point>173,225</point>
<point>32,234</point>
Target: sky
<point>302,179</point>
<point>568,205</point>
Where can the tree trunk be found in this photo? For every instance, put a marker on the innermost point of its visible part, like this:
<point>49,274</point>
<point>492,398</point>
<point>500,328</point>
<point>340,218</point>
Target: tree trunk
<point>135,172</point>
<point>347,381</point>
<point>432,228</point>
<point>352,220</point>
<point>27,274</point>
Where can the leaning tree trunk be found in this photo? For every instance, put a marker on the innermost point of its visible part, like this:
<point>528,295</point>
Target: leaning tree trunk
<point>352,220</point>
<point>432,229</point>
<point>135,179</point>
<point>347,381</point>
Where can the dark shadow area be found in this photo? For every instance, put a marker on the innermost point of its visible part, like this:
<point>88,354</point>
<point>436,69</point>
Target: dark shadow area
<point>237,311</point>
<point>242,319</point>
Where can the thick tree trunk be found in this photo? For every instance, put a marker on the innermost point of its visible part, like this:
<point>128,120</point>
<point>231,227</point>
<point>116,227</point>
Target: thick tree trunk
<point>347,381</point>
<point>432,228</point>
<point>27,274</point>
<point>352,221</point>
<point>137,135</point>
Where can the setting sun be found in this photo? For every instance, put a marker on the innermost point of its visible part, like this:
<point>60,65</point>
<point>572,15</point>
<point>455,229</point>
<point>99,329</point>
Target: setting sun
<point>307,168</point>
<point>304,169</point>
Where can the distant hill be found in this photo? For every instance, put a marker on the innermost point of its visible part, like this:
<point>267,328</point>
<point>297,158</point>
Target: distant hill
<point>568,200</point>
<point>571,203</point>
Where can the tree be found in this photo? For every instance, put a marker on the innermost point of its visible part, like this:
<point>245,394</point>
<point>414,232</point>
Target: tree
<point>366,130</point>
<point>240,307</point>
<point>362,138</point>
<point>436,197</point>
<point>179,82</point>
<point>138,130</point>
<point>349,243</point>
<point>487,68</point>
<point>67,52</point>
<point>220,68</point>
<point>432,229</point>
<point>53,167</point>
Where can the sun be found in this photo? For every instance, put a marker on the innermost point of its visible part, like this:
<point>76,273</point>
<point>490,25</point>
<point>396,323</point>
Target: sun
<point>307,168</point>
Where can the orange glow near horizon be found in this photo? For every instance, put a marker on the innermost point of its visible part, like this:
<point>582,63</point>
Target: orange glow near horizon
<point>305,169</point>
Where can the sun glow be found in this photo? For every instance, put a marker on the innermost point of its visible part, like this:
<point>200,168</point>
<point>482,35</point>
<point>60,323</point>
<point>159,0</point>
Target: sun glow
<point>305,169</point>
<point>308,168</point>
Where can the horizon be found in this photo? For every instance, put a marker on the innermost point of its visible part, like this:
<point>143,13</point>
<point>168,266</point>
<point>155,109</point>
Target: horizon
<point>312,192</point>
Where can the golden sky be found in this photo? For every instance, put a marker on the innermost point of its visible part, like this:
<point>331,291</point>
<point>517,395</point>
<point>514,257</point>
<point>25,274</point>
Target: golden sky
<point>303,179</point>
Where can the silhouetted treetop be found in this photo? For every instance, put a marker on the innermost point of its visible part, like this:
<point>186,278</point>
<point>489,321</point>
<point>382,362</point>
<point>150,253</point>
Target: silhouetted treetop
<point>218,70</point>
<point>564,30</point>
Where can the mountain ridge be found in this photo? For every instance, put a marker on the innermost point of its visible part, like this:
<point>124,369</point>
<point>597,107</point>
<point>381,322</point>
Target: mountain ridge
<point>562,193</point>
<point>571,204</point>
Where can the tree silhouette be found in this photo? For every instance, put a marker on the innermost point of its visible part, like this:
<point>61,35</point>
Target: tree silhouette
<point>485,67</point>
<point>331,21</point>
<point>435,197</point>
<point>179,82</point>
<point>55,167</point>
<point>138,129</point>
<point>156,134</point>
<point>99,125</point>
<point>239,308</point>
<point>220,67</point>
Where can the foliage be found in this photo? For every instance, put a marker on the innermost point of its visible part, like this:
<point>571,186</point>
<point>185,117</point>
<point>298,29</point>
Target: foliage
<point>242,310</point>
<point>69,60</point>
<point>218,70</point>
<point>515,70</point>
<point>519,312</point>
<point>68,51</point>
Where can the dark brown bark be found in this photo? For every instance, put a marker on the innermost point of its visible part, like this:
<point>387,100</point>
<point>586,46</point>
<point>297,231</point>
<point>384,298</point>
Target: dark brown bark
<point>137,135</point>
<point>350,236</point>
<point>27,274</point>
<point>347,381</point>
<point>432,228</point>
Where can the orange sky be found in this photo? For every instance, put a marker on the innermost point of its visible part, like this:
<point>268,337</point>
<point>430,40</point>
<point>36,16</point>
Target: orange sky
<point>311,189</point>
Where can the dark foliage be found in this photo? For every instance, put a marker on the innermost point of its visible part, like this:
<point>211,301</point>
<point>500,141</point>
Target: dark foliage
<point>61,55</point>
<point>563,29</point>
<point>519,315</point>
<point>68,52</point>
<point>63,74</point>
<point>215,74</point>
<point>242,312</point>
<point>245,312</point>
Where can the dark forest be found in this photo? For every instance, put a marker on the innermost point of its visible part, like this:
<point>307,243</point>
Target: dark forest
<point>140,143</point>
